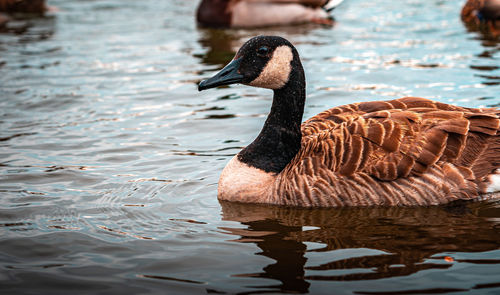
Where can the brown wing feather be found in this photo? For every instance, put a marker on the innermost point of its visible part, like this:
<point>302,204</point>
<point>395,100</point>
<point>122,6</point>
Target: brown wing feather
<point>409,151</point>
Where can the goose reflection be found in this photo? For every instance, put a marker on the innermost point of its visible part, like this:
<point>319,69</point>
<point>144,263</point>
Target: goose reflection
<point>486,67</point>
<point>402,241</point>
<point>221,45</point>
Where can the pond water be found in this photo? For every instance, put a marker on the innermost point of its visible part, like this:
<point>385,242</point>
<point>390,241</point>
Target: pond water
<point>110,157</point>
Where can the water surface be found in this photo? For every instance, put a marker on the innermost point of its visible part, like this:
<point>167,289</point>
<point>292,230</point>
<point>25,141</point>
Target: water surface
<point>110,156</point>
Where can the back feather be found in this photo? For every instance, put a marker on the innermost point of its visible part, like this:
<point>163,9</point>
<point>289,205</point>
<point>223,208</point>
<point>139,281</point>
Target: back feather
<point>409,146</point>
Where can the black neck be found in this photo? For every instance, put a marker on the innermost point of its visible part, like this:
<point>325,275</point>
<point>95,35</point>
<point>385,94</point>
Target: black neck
<point>279,140</point>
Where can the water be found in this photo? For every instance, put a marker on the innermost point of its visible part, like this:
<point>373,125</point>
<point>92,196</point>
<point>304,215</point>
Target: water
<point>110,156</point>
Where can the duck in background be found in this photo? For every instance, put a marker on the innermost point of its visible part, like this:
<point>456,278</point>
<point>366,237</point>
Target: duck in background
<point>483,15</point>
<point>20,6</point>
<point>261,13</point>
<point>23,6</point>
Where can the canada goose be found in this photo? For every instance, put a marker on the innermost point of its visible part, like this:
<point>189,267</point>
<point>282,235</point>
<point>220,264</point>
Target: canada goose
<point>407,151</point>
<point>483,15</point>
<point>259,13</point>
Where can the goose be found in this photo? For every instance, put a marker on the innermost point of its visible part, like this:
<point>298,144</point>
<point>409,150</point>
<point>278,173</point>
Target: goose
<point>409,151</point>
<point>482,14</point>
<point>260,13</point>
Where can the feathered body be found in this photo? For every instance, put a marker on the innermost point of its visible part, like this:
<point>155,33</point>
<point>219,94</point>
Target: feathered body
<point>408,151</point>
<point>260,13</point>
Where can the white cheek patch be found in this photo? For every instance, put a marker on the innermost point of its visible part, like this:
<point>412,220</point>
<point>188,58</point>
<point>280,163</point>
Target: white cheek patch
<point>494,185</point>
<point>277,71</point>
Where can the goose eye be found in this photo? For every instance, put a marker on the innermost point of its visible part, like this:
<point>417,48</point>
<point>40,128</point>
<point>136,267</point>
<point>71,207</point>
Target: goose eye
<point>262,51</point>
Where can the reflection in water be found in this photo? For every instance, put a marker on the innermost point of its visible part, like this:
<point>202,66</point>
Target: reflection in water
<point>487,72</point>
<point>220,44</point>
<point>32,27</point>
<point>405,240</point>
<point>275,240</point>
<point>110,156</point>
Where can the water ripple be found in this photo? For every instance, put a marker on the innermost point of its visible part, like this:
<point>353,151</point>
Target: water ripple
<point>110,157</point>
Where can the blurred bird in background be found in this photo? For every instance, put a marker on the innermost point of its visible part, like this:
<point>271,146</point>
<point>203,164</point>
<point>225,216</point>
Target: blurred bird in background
<point>8,7</point>
<point>261,13</point>
<point>482,15</point>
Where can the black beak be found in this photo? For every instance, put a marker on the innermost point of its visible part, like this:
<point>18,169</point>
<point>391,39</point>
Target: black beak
<point>228,75</point>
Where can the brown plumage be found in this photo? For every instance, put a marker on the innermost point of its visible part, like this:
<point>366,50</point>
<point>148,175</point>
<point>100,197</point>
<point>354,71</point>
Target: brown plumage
<point>404,152</point>
<point>408,151</point>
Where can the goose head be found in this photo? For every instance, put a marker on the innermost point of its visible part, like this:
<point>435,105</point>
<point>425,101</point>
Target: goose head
<point>273,63</point>
<point>263,61</point>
